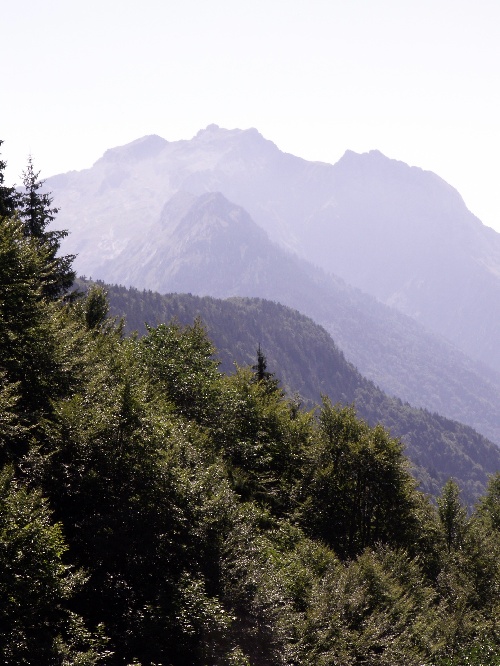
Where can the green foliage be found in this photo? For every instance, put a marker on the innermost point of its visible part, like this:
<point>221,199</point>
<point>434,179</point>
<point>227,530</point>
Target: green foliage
<point>489,505</point>
<point>35,211</point>
<point>358,491</point>
<point>261,436</point>
<point>108,480</point>
<point>11,429</point>
<point>217,523</point>
<point>20,269</point>
<point>376,609</point>
<point>310,365</point>
<point>180,364</point>
<point>34,206</point>
<point>452,515</point>
<point>35,585</point>
<point>482,653</point>
<point>262,374</point>
<point>35,355</point>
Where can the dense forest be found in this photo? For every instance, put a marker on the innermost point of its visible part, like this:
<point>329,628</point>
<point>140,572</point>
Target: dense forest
<point>155,510</point>
<point>311,365</point>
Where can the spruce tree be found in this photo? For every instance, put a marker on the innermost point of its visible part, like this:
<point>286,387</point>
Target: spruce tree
<point>8,197</point>
<point>262,375</point>
<point>37,213</point>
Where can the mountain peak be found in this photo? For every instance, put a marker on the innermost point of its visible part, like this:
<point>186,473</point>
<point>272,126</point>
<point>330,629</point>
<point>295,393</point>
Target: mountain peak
<point>368,157</point>
<point>144,148</point>
<point>209,129</point>
<point>378,167</point>
<point>213,131</point>
<point>184,202</point>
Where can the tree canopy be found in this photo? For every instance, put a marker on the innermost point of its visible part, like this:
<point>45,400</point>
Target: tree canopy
<point>155,510</point>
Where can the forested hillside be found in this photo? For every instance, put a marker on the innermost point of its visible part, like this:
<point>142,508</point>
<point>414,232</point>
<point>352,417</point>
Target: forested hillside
<point>310,365</point>
<point>156,511</point>
<point>209,246</point>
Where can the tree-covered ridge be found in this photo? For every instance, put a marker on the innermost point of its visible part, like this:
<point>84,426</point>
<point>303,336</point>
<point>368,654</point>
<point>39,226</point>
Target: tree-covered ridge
<point>310,365</point>
<point>204,518</point>
<point>156,511</point>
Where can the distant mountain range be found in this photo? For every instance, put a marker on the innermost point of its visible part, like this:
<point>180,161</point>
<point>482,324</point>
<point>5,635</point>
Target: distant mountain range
<point>229,214</point>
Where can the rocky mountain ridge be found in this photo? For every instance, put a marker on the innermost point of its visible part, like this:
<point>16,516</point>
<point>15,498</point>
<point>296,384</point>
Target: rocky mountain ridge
<point>127,226</point>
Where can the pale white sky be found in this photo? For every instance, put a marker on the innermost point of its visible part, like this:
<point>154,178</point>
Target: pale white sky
<point>418,80</point>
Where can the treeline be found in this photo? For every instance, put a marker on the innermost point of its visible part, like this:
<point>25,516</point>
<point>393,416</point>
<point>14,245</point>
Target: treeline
<point>156,511</point>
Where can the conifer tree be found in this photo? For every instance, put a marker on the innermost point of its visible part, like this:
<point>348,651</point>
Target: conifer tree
<point>261,373</point>
<point>8,197</point>
<point>35,205</point>
<point>36,212</point>
<point>38,626</point>
<point>489,506</point>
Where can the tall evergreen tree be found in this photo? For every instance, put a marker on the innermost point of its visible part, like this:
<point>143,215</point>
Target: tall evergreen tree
<point>8,197</point>
<point>35,205</point>
<point>489,506</point>
<point>261,373</point>
<point>36,212</point>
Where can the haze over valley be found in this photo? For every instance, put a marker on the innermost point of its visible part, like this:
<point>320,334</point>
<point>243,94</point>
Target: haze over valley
<point>227,213</point>
<point>249,333</point>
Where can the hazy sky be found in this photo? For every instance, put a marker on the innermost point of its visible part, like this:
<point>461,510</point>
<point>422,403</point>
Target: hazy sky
<point>418,80</point>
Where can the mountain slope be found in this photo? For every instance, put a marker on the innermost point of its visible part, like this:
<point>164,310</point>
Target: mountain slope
<point>397,232</point>
<point>198,244</point>
<point>208,246</point>
<point>405,236</point>
<point>305,358</point>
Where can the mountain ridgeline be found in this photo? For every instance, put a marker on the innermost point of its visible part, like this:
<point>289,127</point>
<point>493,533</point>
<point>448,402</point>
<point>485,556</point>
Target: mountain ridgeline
<point>155,510</point>
<point>205,216</point>
<point>310,365</point>
<point>397,232</point>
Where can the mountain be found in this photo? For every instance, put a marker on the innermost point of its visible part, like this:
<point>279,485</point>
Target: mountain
<point>135,218</point>
<point>199,244</point>
<point>405,236</point>
<point>397,232</point>
<point>206,245</point>
<point>308,363</point>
